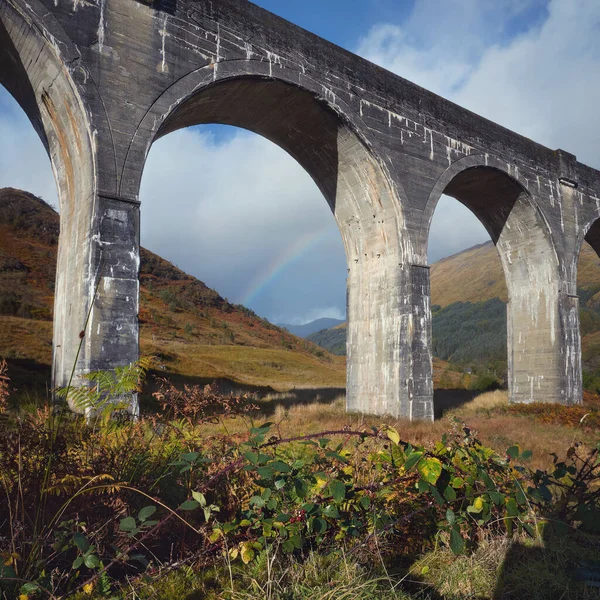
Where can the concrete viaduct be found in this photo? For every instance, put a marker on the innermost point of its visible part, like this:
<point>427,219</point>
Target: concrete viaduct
<point>102,79</point>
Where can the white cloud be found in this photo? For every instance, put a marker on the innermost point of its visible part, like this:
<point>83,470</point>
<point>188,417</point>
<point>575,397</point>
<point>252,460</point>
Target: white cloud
<point>232,211</point>
<point>542,81</point>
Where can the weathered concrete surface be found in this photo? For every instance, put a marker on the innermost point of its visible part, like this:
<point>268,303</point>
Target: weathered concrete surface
<point>102,79</point>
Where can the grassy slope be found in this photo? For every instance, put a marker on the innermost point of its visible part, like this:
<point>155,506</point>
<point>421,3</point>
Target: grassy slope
<point>476,274</point>
<point>193,331</point>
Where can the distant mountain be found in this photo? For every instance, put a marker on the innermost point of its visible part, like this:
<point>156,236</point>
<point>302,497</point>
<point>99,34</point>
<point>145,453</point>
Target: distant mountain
<point>304,331</point>
<point>195,333</point>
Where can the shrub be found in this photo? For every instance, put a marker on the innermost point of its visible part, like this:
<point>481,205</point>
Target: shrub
<point>92,505</point>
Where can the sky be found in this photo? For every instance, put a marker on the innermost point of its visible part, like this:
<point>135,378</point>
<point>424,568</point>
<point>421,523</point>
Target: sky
<point>237,212</point>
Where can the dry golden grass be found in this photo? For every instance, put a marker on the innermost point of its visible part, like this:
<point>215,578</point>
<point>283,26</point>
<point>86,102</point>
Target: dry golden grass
<point>485,402</point>
<point>26,338</point>
<point>279,368</point>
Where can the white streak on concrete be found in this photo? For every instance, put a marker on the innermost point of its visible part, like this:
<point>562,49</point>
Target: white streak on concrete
<point>101,26</point>
<point>163,54</point>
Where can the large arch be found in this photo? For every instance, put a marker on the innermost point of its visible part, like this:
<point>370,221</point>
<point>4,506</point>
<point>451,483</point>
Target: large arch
<point>539,312</point>
<point>33,54</point>
<point>366,208</point>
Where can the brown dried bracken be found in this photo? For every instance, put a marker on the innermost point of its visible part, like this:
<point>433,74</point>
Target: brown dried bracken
<point>197,404</point>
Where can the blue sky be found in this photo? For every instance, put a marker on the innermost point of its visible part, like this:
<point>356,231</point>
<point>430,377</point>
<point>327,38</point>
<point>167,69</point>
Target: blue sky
<point>240,214</point>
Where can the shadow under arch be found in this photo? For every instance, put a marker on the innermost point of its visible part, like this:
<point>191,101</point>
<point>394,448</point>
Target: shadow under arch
<point>33,53</point>
<point>509,213</point>
<point>486,186</point>
<point>353,181</point>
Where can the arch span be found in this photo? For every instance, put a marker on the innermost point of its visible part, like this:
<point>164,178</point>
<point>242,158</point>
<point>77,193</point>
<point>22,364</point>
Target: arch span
<point>366,209</point>
<point>46,92</point>
<point>539,312</point>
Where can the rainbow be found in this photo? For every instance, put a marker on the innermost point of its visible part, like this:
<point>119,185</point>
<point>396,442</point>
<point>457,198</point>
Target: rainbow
<point>291,255</point>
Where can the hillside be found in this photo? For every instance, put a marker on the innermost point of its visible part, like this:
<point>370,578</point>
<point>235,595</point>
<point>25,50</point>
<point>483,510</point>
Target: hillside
<point>193,331</point>
<point>475,275</point>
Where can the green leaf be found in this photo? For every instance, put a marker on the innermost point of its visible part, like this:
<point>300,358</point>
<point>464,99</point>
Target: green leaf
<point>497,498</point>
<point>199,498</point>
<point>319,525</point>
<point>300,487</point>
<point>450,494</point>
<point>422,486</point>
<point>264,428</point>
<point>323,442</point>
<point>365,501</point>
<point>191,456</point>
<point>283,517</point>
<point>457,543</point>
<point>29,588</point>
<point>127,524</point>
<point>81,541</point>
<point>337,456</point>
<point>92,561</point>
<point>430,469</point>
<point>511,508</point>
<point>412,459</point>
<point>252,457</point>
<point>332,512</point>
<point>280,466</point>
<point>146,512</point>
<point>189,505</point>
<point>527,454</point>
<point>265,472</point>
<point>337,489</point>
<point>78,562</point>
<point>258,501</point>
<point>513,452</point>
<point>450,516</point>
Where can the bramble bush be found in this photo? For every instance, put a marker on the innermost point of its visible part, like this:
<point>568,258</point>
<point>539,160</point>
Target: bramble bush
<point>93,504</point>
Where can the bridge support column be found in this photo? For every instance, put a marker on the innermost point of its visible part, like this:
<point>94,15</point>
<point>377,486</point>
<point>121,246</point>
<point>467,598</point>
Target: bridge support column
<point>388,348</point>
<point>96,304</point>
<point>544,357</point>
<point>421,390</point>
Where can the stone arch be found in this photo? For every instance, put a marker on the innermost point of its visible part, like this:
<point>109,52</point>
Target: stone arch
<point>482,172</point>
<point>33,54</point>
<point>358,189</point>
<point>538,312</point>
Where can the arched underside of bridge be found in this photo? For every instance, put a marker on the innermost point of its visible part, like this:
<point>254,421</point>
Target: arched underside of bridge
<point>539,313</point>
<point>368,214</point>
